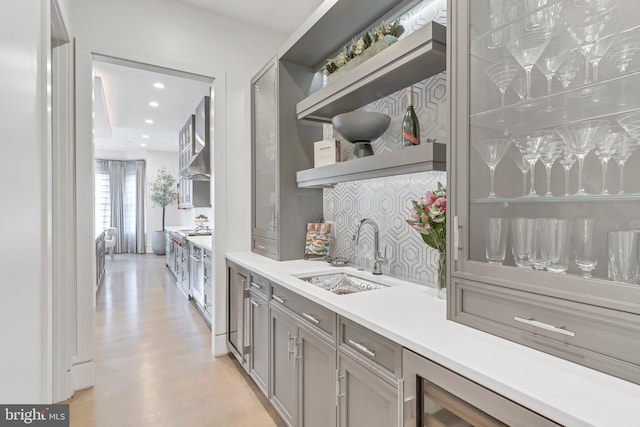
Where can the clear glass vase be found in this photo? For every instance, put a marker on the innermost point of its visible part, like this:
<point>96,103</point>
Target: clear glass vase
<point>442,275</point>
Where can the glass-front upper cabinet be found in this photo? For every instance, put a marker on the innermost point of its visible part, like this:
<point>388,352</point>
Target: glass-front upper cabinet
<point>264,146</point>
<point>545,206</point>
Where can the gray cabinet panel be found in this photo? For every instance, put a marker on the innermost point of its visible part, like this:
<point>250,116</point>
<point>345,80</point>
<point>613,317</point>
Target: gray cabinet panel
<point>364,399</point>
<point>237,306</point>
<point>317,315</point>
<point>283,360</point>
<point>259,341</point>
<point>316,380</point>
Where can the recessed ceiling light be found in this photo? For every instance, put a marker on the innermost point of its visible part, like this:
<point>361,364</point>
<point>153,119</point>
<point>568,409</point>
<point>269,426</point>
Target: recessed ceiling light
<point>154,104</point>
<point>143,145</point>
<point>145,136</point>
<point>158,85</point>
<point>149,121</point>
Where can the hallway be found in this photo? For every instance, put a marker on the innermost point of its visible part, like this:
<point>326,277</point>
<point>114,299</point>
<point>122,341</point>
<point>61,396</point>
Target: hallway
<point>154,365</point>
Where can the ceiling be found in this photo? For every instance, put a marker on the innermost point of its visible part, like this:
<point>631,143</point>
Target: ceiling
<point>280,15</point>
<point>122,91</point>
<point>121,105</point>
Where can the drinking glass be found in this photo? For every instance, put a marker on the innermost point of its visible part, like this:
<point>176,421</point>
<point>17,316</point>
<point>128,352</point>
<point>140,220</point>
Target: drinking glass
<point>581,138</point>
<point>523,165</point>
<point>597,52</point>
<point>519,85</point>
<point>549,153</point>
<point>538,260</point>
<point>530,34</point>
<point>496,240</point>
<point>501,75</point>
<point>604,150</point>
<point>549,62</point>
<point>623,51</point>
<point>522,239</point>
<point>568,71</point>
<point>492,151</point>
<point>585,250</point>
<point>624,150</point>
<point>623,256</point>
<point>567,160</point>
<point>631,123</point>
<point>498,17</point>
<point>556,236</point>
<point>529,145</point>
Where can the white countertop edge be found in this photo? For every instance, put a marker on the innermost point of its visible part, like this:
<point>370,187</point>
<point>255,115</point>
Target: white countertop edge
<point>563,391</point>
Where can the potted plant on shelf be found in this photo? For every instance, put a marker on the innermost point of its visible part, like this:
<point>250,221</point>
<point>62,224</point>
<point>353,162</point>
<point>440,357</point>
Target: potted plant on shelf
<point>162,195</point>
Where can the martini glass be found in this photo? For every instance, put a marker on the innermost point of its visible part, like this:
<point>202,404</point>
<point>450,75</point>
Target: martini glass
<point>605,148</point>
<point>631,123</point>
<point>567,160</point>
<point>501,75</point>
<point>581,138</point>
<point>530,34</point>
<point>567,72</point>
<point>549,153</point>
<point>625,149</point>
<point>529,145</point>
<point>597,52</point>
<point>623,51</point>
<point>585,25</point>
<point>498,17</point>
<point>492,151</point>
<point>549,63</point>
<point>523,165</point>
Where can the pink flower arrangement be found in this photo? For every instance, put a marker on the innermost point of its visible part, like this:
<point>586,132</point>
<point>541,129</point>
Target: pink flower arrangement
<point>429,218</point>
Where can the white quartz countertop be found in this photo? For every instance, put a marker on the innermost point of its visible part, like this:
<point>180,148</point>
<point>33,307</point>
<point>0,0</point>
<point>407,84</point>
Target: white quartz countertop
<point>412,316</point>
<point>202,241</point>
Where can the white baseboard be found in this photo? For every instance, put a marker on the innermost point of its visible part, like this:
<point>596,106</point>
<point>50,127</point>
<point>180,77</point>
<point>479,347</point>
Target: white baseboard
<point>82,376</point>
<point>219,345</point>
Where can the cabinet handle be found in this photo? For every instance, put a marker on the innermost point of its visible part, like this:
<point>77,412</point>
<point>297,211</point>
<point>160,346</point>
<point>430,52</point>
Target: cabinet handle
<point>277,298</point>
<point>291,337</point>
<point>255,304</point>
<point>263,247</point>
<point>205,277</point>
<point>546,326</point>
<point>311,318</point>
<point>456,236</point>
<point>400,402</point>
<point>256,285</point>
<point>362,348</point>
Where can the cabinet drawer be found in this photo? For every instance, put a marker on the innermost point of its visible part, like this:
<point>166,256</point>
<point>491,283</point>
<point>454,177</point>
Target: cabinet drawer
<point>206,257</point>
<point>313,313</point>
<point>266,247</point>
<point>260,285</point>
<point>586,334</point>
<point>370,345</point>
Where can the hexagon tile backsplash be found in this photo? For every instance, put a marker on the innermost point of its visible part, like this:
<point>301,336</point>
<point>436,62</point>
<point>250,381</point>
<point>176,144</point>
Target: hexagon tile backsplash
<point>388,202</point>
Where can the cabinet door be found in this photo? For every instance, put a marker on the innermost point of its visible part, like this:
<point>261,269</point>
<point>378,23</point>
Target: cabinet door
<point>316,380</point>
<point>264,152</point>
<point>364,399</point>
<point>283,362</point>
<point>533,207</point>
<point>237,282</point>
<point>259,363</point>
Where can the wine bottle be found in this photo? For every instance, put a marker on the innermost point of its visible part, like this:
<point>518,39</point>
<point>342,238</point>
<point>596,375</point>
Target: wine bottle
<point>410,125</point>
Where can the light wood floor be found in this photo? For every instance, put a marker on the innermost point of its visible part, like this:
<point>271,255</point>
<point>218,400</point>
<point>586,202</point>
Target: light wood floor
<point>153,360</point>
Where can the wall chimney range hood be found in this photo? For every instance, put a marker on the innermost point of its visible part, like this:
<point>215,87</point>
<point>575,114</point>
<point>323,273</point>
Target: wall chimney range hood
<point>199,169</point>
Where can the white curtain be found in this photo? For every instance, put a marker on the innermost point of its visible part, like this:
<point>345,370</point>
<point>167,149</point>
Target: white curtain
<point>120,202</point>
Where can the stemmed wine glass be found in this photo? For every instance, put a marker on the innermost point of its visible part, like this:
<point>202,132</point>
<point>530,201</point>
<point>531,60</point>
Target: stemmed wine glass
<point>523,165</point>
<point>530,34</point>
<point>492,151</point>
<point>529,145</point>
<point>549,153</point>
<point>581,138</point>
<point>567,160</point>
<point>624,151</point>
<point>586,24</point>
<point>501,75</point>
<point>597,52</point>
<point>549,62</point>
<point>605,148</point>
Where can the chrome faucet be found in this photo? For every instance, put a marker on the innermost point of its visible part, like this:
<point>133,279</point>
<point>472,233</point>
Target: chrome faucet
<point>377,256</point>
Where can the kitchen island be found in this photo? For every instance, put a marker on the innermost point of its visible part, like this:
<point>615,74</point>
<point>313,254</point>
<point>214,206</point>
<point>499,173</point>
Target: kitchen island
<point>410,315</point>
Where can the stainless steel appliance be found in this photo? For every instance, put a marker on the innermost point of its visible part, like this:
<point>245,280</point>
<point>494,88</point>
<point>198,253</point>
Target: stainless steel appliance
<point>238,313</point>
<point>182,263</point>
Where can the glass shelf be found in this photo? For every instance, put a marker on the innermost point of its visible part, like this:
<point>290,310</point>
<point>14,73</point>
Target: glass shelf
<point>589,198</point>
<point>606,98</point>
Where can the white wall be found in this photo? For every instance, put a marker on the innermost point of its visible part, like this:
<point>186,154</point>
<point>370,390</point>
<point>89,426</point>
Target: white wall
<point>171,34</point>
<point>25,213</point>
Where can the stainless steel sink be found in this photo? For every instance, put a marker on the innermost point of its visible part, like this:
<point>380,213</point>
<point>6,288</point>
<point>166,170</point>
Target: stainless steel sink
<point>342,283</point>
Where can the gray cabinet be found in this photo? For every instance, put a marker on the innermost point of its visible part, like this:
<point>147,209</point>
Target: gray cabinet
<point>208,285</point>
<point>276,154</point>
<point>259,340</point>
<point>364,399</point>
<point>303,368</point>
<point>238,312</point>
<point>543,292</point>
<point>283,364</point>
